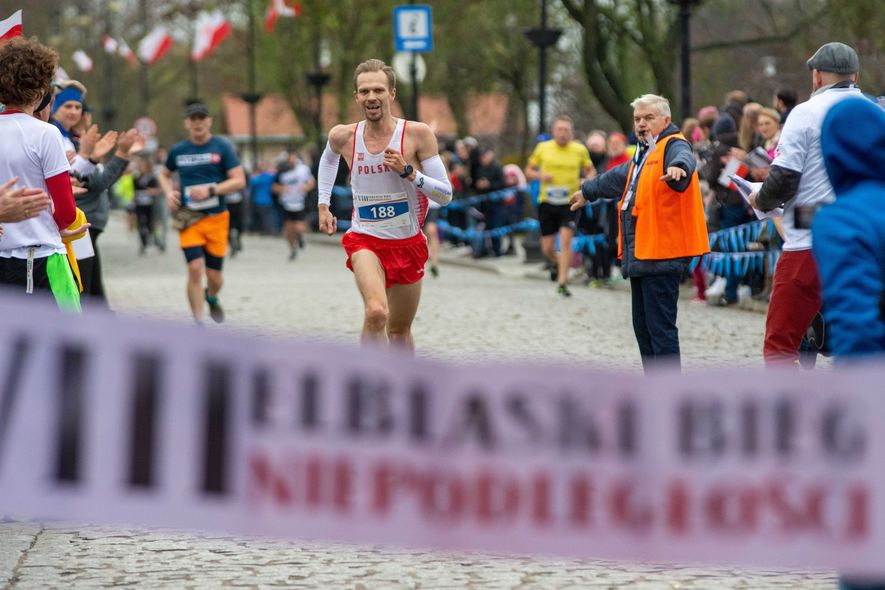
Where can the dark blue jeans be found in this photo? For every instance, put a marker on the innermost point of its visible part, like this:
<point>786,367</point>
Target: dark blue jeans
<point>733,216</point>
<point>654,320</point>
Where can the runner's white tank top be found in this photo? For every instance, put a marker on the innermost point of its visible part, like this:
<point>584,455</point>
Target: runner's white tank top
<point>384,205</point>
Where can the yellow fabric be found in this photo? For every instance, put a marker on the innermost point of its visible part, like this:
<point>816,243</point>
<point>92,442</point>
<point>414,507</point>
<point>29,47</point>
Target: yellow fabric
<point>79,221</point>
<point>563,163</point>
<point>69,248</point>
<point>74,266</point>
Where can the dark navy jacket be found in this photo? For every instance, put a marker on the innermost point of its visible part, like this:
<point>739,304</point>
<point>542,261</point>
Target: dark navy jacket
<point>849,234</point>
<point>611,185</point>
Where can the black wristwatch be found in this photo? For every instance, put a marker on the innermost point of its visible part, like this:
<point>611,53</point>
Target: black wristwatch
<point>212,191</point>
<point>408,171</point>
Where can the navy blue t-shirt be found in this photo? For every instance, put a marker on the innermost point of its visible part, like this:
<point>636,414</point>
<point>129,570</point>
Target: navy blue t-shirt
<point>202,164</point>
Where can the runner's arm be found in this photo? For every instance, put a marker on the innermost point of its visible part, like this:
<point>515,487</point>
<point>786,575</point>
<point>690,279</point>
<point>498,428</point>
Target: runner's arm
<point>434,181</point>
<point>165,179</point>
<point>328,169</point>
<point>236,181</point>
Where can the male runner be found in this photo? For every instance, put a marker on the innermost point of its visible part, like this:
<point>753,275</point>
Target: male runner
<point>292,186</point>
<point>557,163</point>
<point>395,168</point>
<point>208,169</point>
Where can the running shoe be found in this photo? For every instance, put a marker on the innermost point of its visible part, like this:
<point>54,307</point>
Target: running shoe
<point>434,271</point>
<point>563,290</point>
<point>300,241</point>
<point>554,273</point>
<point>215,310</point>
<point>293,254</point>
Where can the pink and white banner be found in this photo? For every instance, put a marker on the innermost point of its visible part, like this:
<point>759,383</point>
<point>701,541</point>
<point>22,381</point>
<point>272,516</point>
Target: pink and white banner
<point>11,27</point>
<point>83,61</point>
<point>112,420</point>
<point>155,45</point>
<point>212,29</point>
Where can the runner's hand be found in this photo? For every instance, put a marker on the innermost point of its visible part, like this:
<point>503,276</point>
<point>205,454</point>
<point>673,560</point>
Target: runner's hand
<point>546,177</point>
<point>328,222</point>
<point>577,200</point>
<point>22,203</point>
<point>199,193</point>
<point>73,233</point>
<point>173,200</point>
<point>395,161</point>
<point>674,173</point>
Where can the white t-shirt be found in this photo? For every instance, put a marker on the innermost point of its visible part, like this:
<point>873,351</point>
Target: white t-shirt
<point>292,197</point>
<point>33,151</point>
<point>799,150</point>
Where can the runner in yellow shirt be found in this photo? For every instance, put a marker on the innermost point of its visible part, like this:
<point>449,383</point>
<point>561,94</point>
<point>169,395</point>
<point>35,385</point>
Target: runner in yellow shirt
<point>557,164</point>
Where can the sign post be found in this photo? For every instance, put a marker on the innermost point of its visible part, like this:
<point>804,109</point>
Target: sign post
<point>413,33</point>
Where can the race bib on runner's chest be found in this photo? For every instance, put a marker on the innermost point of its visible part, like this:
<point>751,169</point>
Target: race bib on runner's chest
<point>382,211</point>
<point>558,195</point>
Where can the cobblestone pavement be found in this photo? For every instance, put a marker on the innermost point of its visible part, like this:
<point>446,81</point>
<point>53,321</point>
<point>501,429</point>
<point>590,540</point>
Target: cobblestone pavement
<point>466,315</point>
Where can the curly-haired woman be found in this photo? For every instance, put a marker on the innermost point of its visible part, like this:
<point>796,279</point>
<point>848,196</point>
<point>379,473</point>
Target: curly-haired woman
<point>32,255</point>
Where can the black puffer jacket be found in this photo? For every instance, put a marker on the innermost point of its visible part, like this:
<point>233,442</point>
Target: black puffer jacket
<point>611,185</point>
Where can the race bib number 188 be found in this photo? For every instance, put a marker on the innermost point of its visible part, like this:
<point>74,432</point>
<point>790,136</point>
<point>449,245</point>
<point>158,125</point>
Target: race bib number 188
<point>383,211</point>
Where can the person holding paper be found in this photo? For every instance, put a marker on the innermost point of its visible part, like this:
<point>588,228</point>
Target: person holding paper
<point>798,180</point>
<point>661,226</point>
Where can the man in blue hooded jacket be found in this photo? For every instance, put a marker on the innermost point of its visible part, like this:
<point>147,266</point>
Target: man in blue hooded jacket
<point>849,234</point>
<point>848,238</point>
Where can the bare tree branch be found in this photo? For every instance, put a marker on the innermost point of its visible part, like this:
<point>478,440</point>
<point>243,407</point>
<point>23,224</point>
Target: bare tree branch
<point>765,39</point>
<point>574,11</point>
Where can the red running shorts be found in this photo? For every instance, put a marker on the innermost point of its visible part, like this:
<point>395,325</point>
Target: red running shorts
<point>403,260</point>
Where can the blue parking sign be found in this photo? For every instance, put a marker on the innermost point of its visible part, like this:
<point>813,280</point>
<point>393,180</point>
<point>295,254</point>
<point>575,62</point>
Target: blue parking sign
<point>413,28</point>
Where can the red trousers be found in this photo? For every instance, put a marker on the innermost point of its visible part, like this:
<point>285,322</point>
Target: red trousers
<point>795,300</point>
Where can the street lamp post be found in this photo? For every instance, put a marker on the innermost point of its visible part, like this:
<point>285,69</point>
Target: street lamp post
<point>685,38</point>
<point>252,97</point>
<point>318,79</point>
<point>542,38</point>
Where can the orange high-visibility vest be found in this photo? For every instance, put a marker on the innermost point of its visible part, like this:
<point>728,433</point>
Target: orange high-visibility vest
<point>669,224</point>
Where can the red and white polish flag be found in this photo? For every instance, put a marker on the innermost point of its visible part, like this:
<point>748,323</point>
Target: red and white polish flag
<point>83,61</point>
<point>277,9</point>
<point>155,45</point>
<point>110,44</point>
<point>212,29</point>
<point>125,52</point>
<point>11,27</point>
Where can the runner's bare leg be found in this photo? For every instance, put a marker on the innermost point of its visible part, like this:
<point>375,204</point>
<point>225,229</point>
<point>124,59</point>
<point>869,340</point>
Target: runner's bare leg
<point>548,246</point>
<point>370,280</point>
<point>195,287</point>
<point>566,255</point>
<point>403,301</point>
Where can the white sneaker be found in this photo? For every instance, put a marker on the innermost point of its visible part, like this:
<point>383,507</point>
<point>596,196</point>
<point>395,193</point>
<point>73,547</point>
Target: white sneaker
<point>716,289</point>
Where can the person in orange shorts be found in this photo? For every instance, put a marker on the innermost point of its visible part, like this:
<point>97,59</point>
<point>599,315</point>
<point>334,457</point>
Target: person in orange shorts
<point>208,169</point>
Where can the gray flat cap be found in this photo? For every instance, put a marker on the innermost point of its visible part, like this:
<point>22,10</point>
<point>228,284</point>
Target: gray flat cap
<point>836,58</point>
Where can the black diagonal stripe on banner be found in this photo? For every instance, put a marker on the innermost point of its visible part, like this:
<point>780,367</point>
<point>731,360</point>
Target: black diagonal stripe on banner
<point>72,389</point>
<point>217,399</point>
<point>11,384</point>
<point>144,411</point>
